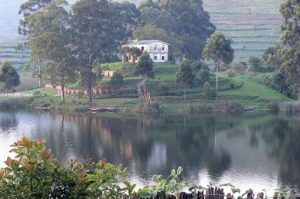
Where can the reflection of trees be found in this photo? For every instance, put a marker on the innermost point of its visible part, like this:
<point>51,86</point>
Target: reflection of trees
<point>8,121</point>
<point>142,144</point>
<point>283,139</point>
<point>131,141</point>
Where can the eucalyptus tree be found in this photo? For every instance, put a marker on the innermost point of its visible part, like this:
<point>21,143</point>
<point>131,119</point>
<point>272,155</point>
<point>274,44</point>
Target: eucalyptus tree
<point>219,50</point>
<point>26,9</point>
<point>49,41</point>
<point>98,29</point>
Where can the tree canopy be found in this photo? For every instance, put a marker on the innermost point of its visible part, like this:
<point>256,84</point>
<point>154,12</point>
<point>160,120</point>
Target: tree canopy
<point>218,49</point>
<point>184,21</point>
<point>145,66</point>
<point>50,43</point>
<point>185,75</point>
<point>286,56</point>
<point>98,29</point>
<point>9,77</point>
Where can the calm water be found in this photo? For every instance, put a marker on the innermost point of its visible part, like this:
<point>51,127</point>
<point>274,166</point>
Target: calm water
<point>258,151</point>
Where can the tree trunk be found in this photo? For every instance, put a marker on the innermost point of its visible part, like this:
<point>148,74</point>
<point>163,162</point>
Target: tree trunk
<point>217,80</point>
<point>62,95</point>
<point>90,92</point>
<point>90,67</point>
<point>62,85</point>
<point>185,95</point>
<point>40,77</point>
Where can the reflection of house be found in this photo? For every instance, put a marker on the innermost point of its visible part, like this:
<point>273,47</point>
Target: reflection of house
<point>158,50</point>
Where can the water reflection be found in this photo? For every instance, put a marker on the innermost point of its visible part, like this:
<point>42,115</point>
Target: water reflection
<point>250,151</point>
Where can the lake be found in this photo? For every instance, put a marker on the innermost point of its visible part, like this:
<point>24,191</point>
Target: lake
<point>258,151</point>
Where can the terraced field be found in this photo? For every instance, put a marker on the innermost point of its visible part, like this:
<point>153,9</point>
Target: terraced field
<point>252,25</point>
<point>8,52</point>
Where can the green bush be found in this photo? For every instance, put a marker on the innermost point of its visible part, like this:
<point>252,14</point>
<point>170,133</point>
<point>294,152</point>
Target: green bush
<point>230,107</point>
<point>273,107</point>
<point>200,109</point>
<point>153,108</point>
<point>208,90</point>
<point>14,103</point>
<point>35,174</point>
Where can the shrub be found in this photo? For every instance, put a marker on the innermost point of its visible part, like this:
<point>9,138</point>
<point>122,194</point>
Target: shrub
<point>153,108</point>
<point>273,107</point>
<point>230,107</point>
<point>34,173</point>
<point>208,91</point>
<point>231,74</point>
<point>14,103</point>
<point>116,79</point>
<point>202,77</point>
<point>232,84</point>
<point>36,93</point>
<point>200,109</point>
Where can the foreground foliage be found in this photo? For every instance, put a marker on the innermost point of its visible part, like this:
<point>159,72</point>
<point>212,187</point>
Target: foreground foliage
<point>35,174</point>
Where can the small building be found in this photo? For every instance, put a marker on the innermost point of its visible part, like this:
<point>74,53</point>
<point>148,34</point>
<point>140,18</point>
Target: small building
<point>158,50</point>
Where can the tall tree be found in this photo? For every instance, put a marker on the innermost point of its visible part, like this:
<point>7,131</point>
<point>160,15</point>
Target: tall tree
<point>26,9</point>
<point>98,30</point>
<point>9,77</point>
<point>219,50</point>
<point>184,20</point>
<point>286,56</point>
<point>290,38</point>
<point>49,41</point>
<point>145,69</point>
<point>185,76</point>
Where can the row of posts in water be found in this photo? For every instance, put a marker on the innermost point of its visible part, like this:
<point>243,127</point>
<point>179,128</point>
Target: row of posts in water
<point>217,193</point>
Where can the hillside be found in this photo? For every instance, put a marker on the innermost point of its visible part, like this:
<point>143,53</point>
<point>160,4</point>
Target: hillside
<point>8,52</point>
<point>252,25</point>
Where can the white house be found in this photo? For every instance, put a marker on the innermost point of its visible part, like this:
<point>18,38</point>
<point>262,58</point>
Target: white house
<point>158,50</point>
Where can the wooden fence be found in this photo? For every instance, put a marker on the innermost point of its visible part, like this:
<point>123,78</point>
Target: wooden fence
<point>100,90</point>
<point>215,193</point>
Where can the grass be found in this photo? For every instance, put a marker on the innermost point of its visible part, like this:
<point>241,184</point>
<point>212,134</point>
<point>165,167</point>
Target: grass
<point>247,91</point>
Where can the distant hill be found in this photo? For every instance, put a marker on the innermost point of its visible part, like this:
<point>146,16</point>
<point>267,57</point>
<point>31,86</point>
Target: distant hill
<point>252,25</point>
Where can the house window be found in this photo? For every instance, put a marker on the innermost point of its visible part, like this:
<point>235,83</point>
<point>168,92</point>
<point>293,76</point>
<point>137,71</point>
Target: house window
<point>163,48</point>
<point>155,47</point>
<point>162,57</point>
<point>155,57</point>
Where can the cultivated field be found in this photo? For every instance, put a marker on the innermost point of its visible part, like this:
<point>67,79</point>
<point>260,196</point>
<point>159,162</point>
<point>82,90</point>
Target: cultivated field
<point>252,25</point>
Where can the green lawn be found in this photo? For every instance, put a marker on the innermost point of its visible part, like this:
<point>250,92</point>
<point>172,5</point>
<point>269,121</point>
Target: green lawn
<point>247,91</point>
<point>252,88</point>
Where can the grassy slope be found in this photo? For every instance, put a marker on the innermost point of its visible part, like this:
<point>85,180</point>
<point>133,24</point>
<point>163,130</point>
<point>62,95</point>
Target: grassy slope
<point>248,92</point>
